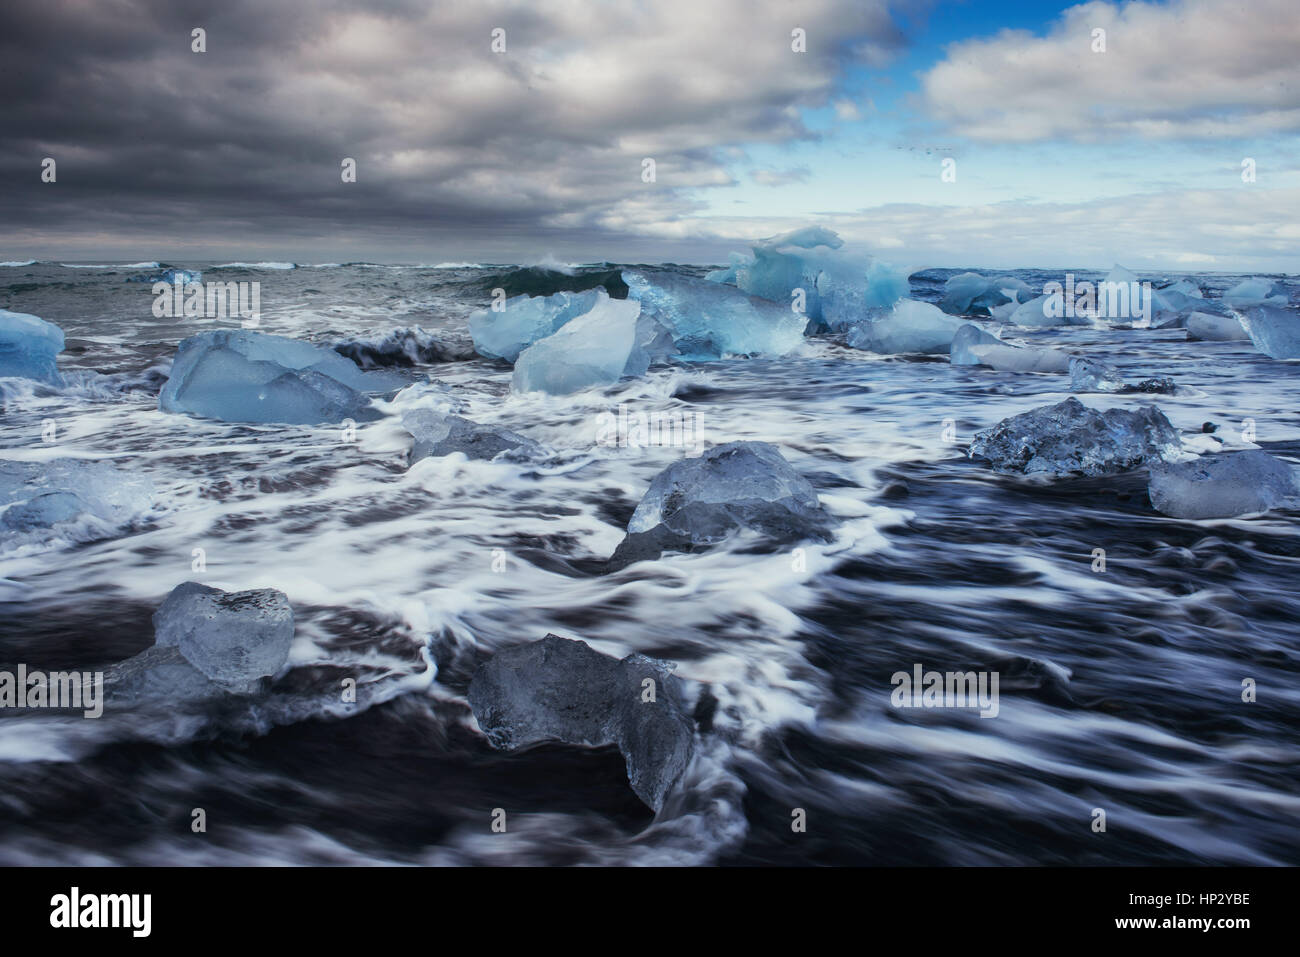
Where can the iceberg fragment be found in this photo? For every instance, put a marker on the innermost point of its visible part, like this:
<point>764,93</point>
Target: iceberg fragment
<point>234,638</point>
<point>1070,438</point>
<point>237,375</point>
<point>208,643</point>
<point>1202,325</point>
<point>912,327</point>
<point>973,346</point>
<point>728,275</point>
<point>1274,331</point>
<point>1256,292</point>
<point>1087,375</point>
<point>710,320</point>
<point>700,501</point>
<point>972,294</point>
<point>28,347</point>
<point>35,496</point>
<point>965,343</point>
<point>526,319</point>
<point>839,287</point>
<point>596,348</point>
<point>558,689</point>
<point>1221,486</point>
<point>438,434</point>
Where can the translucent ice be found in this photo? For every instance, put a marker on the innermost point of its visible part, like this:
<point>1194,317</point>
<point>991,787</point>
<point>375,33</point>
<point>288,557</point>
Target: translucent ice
<point>728,275</point>
<point>234,638</point>
<point>1202,325</point>
<point>28,346</point>
<point>1256,292</point>
<point>1070,438</point>
<point>596,348</point>
<point>912,327</point>
<point>972,294</point>
<point>973,346</point>
<point>700,501</point>
<point>558,689</point>
<point>709,320</point>
<point>1221,486</point>
<point>237,375</point>
<point>839,287</point>
<point>38,495</point>
<point>437,434</point>
<point>1274,331</point>
<point>1087,375</point>
<point>526,319</point>
<point>969,339</point>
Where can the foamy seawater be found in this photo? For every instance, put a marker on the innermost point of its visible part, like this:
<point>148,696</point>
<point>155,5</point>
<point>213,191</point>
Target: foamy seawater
<point>1120,689</point>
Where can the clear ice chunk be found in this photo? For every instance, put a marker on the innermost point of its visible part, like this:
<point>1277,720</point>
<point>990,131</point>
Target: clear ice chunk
<point>558,689</point>
<point>709,320</point>
<point>233,638</point>
<point>912,327</point>
<point>1069,438</point>
<point>1274,331</point>
<point>594,349</point>
<point>1222,485</point>
<point>527,319</point>
<point>237,375</point>
<point>28,347</point>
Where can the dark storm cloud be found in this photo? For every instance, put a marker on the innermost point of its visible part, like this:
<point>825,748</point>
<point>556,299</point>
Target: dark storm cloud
<point>454,144</point>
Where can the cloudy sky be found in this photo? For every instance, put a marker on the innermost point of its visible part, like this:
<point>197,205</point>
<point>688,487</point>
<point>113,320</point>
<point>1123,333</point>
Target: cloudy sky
<point>1063,155</point>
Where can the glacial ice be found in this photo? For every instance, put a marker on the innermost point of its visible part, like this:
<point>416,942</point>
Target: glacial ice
<point>728,275</point>
<point>28,347</point>
<point>1274,331</point>
<point>972,294</point>
<point>438,434</point>
<point>38,495</point>
<point>1256,292</point>
<point>596,348</point>
<point>237,375</point>
<point>1070,438</point>
<point>234,638</point>
<point>840,287</point>
<point>1202,325</point>
<point>1222,485</point>
<point>968,343</point>
<point>912,327</point>
<point>526,319</point>
<point>1088,375</point>
<point>558,689</point>
<point>710,320</point>
<point>973,346</point>
<point>699,501</point>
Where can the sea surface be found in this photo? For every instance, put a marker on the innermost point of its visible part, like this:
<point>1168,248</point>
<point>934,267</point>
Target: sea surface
<point>1120,690</point>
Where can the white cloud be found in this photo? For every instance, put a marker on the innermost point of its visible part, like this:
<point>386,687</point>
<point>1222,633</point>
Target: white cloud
<point>1186,69</point>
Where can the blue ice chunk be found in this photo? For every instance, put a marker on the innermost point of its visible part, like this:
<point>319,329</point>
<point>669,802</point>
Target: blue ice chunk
<point>1221,486</point>
<point>840,287</point>
<point>525,320</point>
<point>238,375</point>
<point>708,320</point>
<point>1256,292</point>
<point>28,347</point>
<point>1274,331</point>
<point>1070,438</point>
<point>972,294</point>
<point>728,275</point>
<point>597,348</point>
<point>912,327</point>
<point>38,495</point>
